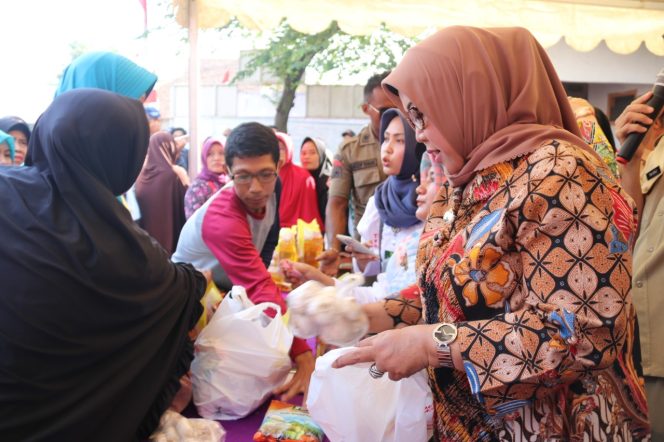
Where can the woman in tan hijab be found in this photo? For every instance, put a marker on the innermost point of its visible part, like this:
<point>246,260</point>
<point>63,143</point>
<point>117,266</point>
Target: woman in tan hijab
<point>160,190</point>
<point>530,328</point>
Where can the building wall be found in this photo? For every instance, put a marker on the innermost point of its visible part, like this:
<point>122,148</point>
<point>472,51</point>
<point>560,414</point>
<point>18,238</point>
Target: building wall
<point>603,66</point>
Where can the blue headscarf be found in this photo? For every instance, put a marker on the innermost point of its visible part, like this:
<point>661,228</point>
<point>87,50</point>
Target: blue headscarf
<point>395,197</point>
<point>108,71</point>
<point>6,138</point>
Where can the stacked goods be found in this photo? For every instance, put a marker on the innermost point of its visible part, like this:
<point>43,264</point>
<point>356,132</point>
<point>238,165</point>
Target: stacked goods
<point>302,242</point>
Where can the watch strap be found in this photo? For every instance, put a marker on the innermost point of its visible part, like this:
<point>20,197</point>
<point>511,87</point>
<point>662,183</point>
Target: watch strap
<point>444,354</point>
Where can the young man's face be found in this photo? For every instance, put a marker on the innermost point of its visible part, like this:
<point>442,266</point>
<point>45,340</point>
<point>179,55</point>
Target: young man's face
<point>377,102</point>
<point>254,194</point>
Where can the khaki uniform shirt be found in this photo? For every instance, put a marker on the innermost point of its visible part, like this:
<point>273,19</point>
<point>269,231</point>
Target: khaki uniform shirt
<point>357,170</point>
<point>648,278</point>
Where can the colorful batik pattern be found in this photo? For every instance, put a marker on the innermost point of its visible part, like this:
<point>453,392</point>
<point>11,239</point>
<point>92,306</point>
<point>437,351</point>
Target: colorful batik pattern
<point>532,261</point>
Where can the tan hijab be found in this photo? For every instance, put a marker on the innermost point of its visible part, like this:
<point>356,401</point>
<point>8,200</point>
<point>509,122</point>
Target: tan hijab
<point>493,95</point>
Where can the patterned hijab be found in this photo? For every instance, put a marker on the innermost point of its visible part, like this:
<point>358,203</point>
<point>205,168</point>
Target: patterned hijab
<point>108,71</point>
<point>395,197</point>
<point>501,102</point>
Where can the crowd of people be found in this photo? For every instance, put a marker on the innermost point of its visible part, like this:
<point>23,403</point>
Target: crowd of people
<point>507,253</point>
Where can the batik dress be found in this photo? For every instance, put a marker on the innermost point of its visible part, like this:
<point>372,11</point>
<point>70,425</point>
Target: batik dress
<point>532,261</point>
<point>198,193</point>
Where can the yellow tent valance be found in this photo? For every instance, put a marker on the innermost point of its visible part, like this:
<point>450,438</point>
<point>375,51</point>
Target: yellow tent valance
<point>623,24</point>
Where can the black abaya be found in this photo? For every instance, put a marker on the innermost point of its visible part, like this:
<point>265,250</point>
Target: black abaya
<point>93,315</point>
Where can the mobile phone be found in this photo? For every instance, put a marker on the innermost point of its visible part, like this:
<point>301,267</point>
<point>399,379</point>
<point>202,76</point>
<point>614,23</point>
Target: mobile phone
<point>355,244</point>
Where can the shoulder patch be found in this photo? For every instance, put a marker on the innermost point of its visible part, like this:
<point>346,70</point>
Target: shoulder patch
<point>652,173</point>
<point>337,166</point>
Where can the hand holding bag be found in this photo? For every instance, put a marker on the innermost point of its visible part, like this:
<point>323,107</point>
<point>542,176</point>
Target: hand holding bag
<point>351,406</point>
<point>240,357</point>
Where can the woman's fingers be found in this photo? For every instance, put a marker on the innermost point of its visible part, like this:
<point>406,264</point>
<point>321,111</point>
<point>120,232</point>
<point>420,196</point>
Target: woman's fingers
<point>359,355</point>
<point>634,118</point>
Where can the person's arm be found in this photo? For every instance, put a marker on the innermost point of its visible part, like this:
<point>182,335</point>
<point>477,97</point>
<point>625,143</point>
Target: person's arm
<point>399,311</point>
<point>336,212</point>
<point>298,273</point>
<point>634,119</point>
<point>336,217</point>
<point>549,341</point>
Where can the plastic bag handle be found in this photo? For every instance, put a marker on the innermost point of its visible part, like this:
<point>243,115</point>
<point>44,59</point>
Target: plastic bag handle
<point>259,308</point>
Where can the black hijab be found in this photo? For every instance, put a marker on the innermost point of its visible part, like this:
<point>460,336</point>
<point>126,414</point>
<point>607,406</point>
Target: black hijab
<point>321,174</point>
<point>93,315</point>
<point>15,123</point>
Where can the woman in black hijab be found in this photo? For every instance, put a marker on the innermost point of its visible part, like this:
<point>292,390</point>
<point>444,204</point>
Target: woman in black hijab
<point>93,315</point>
<point>315,157</point>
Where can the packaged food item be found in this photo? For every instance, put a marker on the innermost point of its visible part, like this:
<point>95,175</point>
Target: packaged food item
<point>286,422</point>
<point>210,302</point>
<point>313,246</point>
<point>309,241</point>
<point>286,246</point>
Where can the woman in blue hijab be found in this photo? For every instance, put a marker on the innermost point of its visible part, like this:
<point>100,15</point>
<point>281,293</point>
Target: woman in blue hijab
<point>389,218</point>
<point>114,73</point>
<point>6,149</point>
<point>108,71</point>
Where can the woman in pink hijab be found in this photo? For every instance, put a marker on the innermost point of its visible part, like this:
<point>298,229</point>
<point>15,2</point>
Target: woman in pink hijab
<point>299,199</point>
<point>529,329</point>
<point>212,177</point>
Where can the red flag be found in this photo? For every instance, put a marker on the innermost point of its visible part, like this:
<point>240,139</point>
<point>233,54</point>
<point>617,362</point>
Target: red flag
<point>227,77</point>
<point>144,5</point>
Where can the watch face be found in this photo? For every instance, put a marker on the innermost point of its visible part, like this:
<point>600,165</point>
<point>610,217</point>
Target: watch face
<point>445,333</point>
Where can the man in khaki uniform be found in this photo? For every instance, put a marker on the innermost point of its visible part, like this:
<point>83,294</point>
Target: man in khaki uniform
<point>644,181</point>
<point>357,170</point>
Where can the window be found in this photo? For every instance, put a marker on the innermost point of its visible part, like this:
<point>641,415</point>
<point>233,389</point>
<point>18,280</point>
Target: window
<point>618,101</point>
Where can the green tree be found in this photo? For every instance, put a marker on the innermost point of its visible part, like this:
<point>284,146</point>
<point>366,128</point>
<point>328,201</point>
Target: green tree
<point>290,53</point>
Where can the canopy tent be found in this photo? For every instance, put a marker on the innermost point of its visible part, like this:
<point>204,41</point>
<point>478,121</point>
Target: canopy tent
<point>623,24</point>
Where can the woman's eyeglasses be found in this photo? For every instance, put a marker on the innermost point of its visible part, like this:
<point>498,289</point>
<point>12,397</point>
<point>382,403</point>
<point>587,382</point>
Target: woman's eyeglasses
<point>265,177</point>
<point>416,117</point>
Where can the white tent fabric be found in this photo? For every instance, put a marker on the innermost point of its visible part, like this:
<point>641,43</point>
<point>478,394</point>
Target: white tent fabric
<point>623,24</point>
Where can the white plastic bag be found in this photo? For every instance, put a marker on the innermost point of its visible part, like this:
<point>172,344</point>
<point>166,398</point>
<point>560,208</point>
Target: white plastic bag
<point>173,427</point>
<point>351,406</point>
<point>328,312</point>
<point>240,357</point>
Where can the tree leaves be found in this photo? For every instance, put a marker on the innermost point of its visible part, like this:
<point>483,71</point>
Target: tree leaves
<point>290,53</point>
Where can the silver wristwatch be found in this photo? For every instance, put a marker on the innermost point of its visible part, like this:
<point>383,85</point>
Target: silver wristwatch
<point>443,336</point>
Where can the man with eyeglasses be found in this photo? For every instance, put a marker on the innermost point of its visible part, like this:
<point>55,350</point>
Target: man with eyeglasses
<point>18,129</point>
<point>235,232</point>
<point>356,172</point>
